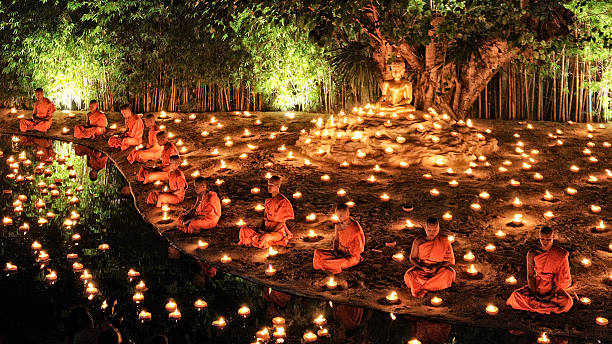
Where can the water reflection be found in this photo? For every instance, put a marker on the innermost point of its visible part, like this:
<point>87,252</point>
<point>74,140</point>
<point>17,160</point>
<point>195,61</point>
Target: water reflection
<point>34,310</point>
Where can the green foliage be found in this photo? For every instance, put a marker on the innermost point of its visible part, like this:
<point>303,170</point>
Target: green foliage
<point>353,66</point>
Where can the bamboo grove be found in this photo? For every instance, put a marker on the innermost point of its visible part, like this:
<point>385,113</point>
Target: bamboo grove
<point>173,56</point>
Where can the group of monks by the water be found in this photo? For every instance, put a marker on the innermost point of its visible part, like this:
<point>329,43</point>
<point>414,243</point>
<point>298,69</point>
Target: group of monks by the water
<point>432,256</point>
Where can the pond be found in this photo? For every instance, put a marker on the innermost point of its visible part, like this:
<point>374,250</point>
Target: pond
<point>60,189</point>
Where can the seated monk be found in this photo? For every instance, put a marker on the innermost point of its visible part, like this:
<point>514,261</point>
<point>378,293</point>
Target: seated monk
<point>150,174</point>
<point>349,242</point>
<point>206,212</point>
<point>96,123</point>
<point>176,182</point>
<point>42,115</point>
<point>96,160</point>
<point>133,132</point>
<point>432,259</point>
<point>272,230</point>
<point>152,150</point>
<point>548,274</point>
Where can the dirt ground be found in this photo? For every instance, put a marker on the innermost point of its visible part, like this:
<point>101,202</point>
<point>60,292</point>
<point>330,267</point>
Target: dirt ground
<point>384,221</point>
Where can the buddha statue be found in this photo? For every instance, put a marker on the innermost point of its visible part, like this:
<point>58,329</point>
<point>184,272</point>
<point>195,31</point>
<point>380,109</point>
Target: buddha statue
<point>396,93</point>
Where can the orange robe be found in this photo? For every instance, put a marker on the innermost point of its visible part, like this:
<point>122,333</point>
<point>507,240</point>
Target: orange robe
<point>43,116</point>
<point>148,174</point>
<point>95,159</point>
<point>276,297</point>
<point>431,252</point>
<point>152,151</point>
<point>206,214</point>
<point>96,125</point>
<point>551,268</point>
<point>132,137</point>
<point>177,184</point>
<point>351,243</point>
<point>44,147</point>
<point>277,209</point>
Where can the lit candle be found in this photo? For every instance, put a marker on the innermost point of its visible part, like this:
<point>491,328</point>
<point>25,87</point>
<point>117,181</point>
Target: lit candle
<point>91,290</point>
<point>219,323</point>
<point>475,206</point>
<point>511,280</point>
<point>472,271</point>
<point>278,321</point>
<point>141,286</point>
<point>77,267</point>
<point>270,271</point>
<point>447,216</point>
<point>398,257</point>
<point>453,183</point>
<point>484,195</point>
<point>571,191</point>
<point>514,182</point>
<point>7,221</point>
<point>103,247</point>
<point>601,226</point>
<point>240,223</point>
<point>585,262</point>
<point>595,208</point>
<point>585,301</point>
<point>43,256</point>
<point>226,201</point>
<point>409,224</point>
<point>451,238</point>
<point>138,297</point>
<point>601,321</point>
<point>469,257</point>
<point>538,177</point>
<point>427,176</point>
<point>312,234</point>
<point>500,234</point>
<point>175,315</point>
<point>549,215</point>
<point>36,246</point>
<point>392,297</point>
<point>385,197</point>
<point>297,195</point>
<point>309,337</point>
<point>331,283</point>
<point>436,301</point>
<point>491,310</point>
<point>592,179</point>
<point>311,217</point>
<point>490,248</point>
<point>259,207</point>
<point>226,259</point>
<point>325,178</point>
<point>434,192</point>
<point>200,304</point>
<point>202,244</point>
<point>262,335</point>
<point>51,277</point>
<point>320,320</point>
<point>574,168</point>
<point>341,192</point>
<point>244,311</point>
<point>11,268</point>
<point>543,339</point>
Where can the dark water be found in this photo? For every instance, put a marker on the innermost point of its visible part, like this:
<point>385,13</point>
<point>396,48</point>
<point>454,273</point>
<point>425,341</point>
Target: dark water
<point>35,311</point>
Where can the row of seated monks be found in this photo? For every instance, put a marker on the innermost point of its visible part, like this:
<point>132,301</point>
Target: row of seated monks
<point>431,255</point>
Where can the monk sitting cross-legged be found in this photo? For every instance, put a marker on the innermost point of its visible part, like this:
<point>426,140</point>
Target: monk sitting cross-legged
<point>42,115</point>
<point>96,123</point>
<point>152,150</point>
<point>150,174</point>
<point>272,231</point>
<point>176,182</point>
<point>349,242</point>
<point>133,130</point>
<point>548,274</point>
<point>206,212</point>
<point>432,259</point>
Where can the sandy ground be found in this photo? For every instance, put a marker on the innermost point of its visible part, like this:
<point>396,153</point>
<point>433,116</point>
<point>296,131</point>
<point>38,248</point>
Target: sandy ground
<point>384,222</point>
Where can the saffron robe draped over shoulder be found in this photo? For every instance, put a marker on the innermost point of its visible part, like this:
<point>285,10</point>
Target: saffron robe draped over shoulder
<point>96,125</point>
<point>177,184</point>
<point>152,151</point>
<point>133,135</point>
<point>432,252</point>
<point>149,175</point>
<point>43,117</point>
<point>351,243</point>
<point>206,214</point>
<point>551,268</point>
<point>277,209</point>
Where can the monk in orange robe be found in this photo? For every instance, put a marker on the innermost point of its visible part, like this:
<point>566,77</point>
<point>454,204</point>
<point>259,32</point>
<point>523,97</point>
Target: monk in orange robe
<point>349,242</point>
<point>206,212</point>
<point>152,150</point>
<point>177,184</point>
<point>133,132</point>
<point>272,231</point>
<point>42,115</point>
<point>96,160</point>
<point>96,123</point>
<point>548,274</point>
<point>432,259</point>
<point>148,174</point>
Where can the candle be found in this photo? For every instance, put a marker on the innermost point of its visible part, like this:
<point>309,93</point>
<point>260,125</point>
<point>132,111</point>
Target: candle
<point>514,182</point>
<point>133,273</point>
<point>309,337</point>
<point>141,286</point>
<point>447,216</point>
<point>502,169</point>
<point>103,247</point>
<point>585,262</point>
<point>278,321</point>
<point>484,195</point>
<point>244,311</point>
<point>144,316</point>
<point>51,277</point>
<point>7,221</point>
<point>325,178</point>
<point>91,290</point>
<point>409,224</point>
<point>171,306</point>
<point>226,259</point>
<point>350,204</point>
<point>469,257</point>
<point>475,206</point>
<point>500,234</point>
<point>226,201</point>
<point>592,179</point>
<point>320,320</point>
<point>549,215</point>
<point>453,183</point>
<point>571,191</point>
<point>491,310</point>
<point>601,321</point>
<point>240,223</point>
<point>263,335</point>
<point>490,248</point>
<point>543,339</point>
<point>392,297</point>
<point>511,280</point>
<point>398,257</point>
<point>200,304</point>
<point>312,234</point>
<point>472,271</point>
<point>36,246</point>
<point>77,267</point>
<point>601,226</point>
<point>43,256</point>
<point>427,176</point>
<point>175,315</point>
<point>595,208</point>
<point>341,192</point>
<point>331,283</point>
<point>574,168</point>
<point>270,271</point>
<point>451,238</point>
<point>279,332</point>
<point>434,192</point>
<point>219,323</point>
<point>259,207</point>
<point>585,301</point>
<point>436,301</point>
<point>202,244</point>
<point>385,197</point>
<point>414,341</point>
<point>548,196</point>
<point>11,268</point>
<point>85,276</point>
<point>138,297</point>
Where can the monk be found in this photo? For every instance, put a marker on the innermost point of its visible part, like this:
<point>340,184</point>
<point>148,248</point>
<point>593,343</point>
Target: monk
<point>42,115</point>
<point>206,212</point>
<point>548,274</point>
<point>272,230</point>
<point>96,161</point>
<point>432,259</point>
<point>152,150</point>
<point>176,182</point>
<point>96,123</point>
<point>349,242</point>
<point>133,132</point>
<point>150,174</point>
